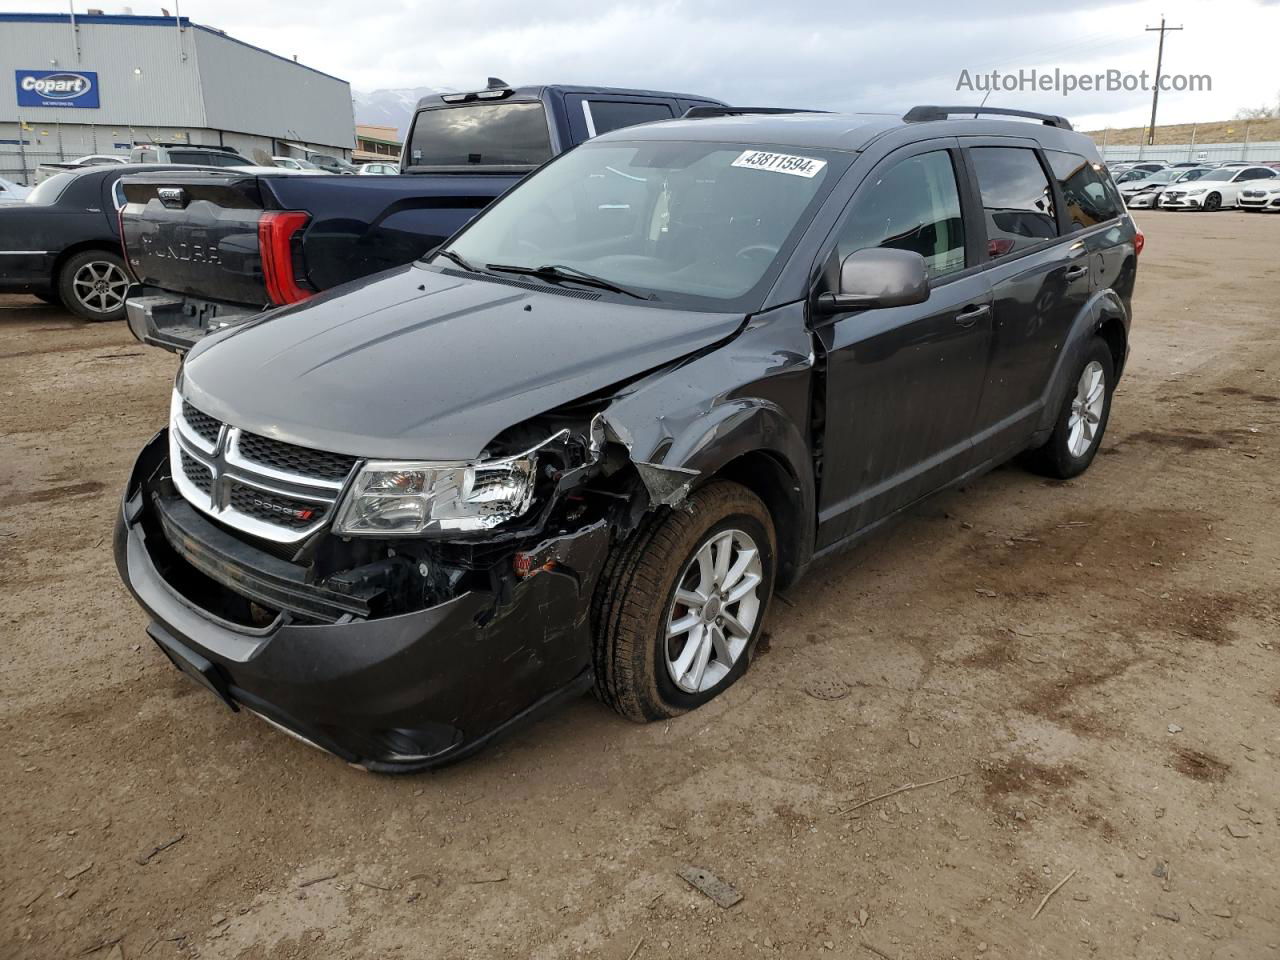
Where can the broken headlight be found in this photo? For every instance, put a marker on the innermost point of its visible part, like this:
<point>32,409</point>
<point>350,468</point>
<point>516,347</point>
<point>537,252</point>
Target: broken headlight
<point>391,498</point>
<point>399,497</point>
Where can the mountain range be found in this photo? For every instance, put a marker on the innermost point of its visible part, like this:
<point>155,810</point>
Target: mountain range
<point>391,108</point>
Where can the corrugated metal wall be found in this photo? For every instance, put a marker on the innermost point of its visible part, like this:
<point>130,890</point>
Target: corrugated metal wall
<point>249,90</point>
<point>143,79</point>
<point>154,79</point>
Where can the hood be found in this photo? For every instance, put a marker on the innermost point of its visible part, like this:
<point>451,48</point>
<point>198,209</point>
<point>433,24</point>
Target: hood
<point>428,364</point>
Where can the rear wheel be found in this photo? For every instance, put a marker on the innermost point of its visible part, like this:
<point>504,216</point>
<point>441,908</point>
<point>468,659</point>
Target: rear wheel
<point>92,285</point>
<point>682,604</point>
<point>1082,419</point>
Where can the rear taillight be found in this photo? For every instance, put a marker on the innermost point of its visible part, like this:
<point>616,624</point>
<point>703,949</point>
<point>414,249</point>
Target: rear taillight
<point>276,230</point>
<point>1139,241</point>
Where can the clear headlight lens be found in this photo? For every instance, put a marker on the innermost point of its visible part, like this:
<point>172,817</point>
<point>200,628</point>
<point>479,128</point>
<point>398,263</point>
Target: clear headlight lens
<point>392,498</point>
<point>1197,191</point>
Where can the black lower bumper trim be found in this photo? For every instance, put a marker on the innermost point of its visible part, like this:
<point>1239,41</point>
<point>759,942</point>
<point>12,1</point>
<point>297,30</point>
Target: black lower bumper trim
<point>251,572</point>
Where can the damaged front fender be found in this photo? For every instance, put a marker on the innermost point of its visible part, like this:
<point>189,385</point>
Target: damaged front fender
<point>745,404</point>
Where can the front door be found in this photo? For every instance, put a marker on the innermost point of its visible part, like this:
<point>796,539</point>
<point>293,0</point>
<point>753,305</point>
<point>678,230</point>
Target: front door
<point>902,383</point>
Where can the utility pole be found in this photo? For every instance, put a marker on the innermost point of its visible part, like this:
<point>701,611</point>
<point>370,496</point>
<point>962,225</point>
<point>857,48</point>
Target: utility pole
<point>1155,92</point>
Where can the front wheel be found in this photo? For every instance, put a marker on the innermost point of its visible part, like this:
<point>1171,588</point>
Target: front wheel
<point>1213,202</point>
<point>1082,420</point>
<point>682,603</point>
<point>92,285</point>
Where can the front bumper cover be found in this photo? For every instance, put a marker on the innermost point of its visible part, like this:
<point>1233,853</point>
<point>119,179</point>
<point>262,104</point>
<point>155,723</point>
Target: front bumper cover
<point>400,693</point>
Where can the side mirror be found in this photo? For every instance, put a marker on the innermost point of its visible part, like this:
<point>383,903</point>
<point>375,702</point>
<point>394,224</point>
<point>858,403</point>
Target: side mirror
<point>878,277</point>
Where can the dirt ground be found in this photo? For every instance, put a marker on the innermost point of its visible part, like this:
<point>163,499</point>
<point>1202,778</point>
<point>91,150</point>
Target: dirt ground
<point>1095,665</point>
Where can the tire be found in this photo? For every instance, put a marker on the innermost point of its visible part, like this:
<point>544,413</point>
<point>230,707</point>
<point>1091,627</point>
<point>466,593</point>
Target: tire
<point>1060,457</point>
<point>92,285</point>
<point>1213,202</point>
<point>636,602</point>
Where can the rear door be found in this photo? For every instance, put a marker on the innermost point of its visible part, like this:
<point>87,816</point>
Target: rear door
<point>902,384</point>
<point>1040,282</point>
<point>590,115</point>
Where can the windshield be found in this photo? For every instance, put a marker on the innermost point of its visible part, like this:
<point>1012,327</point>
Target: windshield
<point>1164,176</point>
<point>1195,173</point>
<point>487,134</point>
<point>671,219</point>
<point>48,191</point>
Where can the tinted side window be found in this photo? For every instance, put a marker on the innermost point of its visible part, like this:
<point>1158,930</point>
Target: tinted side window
<point>1016,199</point>
<point>606,115</point>
<point>1089,198</point>
<point>1258,173</point>
<point>913,205</point>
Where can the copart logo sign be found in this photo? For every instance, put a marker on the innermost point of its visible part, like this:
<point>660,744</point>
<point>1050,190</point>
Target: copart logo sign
<point>57,88</point>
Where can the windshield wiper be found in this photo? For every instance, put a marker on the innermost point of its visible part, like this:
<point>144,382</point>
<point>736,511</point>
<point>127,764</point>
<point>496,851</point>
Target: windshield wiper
<point>458,259</point>
<point>557,272</point>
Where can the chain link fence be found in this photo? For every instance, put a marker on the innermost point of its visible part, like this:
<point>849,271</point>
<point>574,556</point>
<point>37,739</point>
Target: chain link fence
<point>20,165</point>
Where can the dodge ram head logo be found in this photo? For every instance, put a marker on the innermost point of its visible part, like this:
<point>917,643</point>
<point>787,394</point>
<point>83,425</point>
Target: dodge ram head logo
<point>50,88</point>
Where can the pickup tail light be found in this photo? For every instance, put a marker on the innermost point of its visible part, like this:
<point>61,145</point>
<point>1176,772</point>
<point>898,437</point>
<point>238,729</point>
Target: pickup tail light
<point>276,230</point>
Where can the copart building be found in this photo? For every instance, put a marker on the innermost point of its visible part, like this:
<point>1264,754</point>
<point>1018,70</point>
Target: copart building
<point>89,83</point>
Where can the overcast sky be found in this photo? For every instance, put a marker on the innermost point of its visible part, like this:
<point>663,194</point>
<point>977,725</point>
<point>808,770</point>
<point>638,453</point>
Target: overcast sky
<point>832,54</point>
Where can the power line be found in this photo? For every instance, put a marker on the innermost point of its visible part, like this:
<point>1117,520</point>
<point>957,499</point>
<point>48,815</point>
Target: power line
<point>1155,89</point>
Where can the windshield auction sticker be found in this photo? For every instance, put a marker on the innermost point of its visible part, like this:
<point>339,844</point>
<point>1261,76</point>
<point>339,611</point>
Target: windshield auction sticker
<point>780,163</point>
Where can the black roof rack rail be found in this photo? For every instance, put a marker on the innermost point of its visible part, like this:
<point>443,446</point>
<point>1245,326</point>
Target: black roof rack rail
<point>701,113</point>
<point>929,112</point>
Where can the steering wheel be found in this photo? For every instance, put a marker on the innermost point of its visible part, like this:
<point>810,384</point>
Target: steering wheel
<point>764,250</point>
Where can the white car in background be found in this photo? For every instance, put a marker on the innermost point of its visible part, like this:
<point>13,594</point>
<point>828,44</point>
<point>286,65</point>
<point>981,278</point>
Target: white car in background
<point>11,192</point>
<point>1260,195</point>
<point>98,159</point>
<point>378,170</point>
<point>296,164</point>
<point>1216,190</point>
<point>1145,194</point>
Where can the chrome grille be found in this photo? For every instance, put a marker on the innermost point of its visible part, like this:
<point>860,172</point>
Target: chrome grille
<point>267,488</point>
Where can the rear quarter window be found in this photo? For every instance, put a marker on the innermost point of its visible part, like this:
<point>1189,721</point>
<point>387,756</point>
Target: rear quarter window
<point>1086,190</point>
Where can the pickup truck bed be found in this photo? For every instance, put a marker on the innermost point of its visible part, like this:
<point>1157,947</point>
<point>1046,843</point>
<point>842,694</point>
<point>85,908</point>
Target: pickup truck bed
<point>213,248</point>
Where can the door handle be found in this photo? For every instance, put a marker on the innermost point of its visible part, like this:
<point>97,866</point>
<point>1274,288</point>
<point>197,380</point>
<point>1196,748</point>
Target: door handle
<point>1075,273</point>
<point>971,314</point>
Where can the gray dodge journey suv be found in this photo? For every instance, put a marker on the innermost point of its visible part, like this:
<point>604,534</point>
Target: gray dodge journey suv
<point>582,444</point>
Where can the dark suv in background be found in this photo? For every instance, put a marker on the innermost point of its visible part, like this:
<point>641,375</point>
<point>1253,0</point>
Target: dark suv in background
<point>582,444</point>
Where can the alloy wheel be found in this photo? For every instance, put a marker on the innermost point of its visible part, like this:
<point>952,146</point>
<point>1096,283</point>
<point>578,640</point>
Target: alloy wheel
<point>714,611</point>
<point>100,286</point>
<point>1086,409</point>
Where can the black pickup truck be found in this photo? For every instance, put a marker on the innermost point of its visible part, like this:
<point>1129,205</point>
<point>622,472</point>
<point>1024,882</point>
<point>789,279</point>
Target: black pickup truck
<point>209,249</point>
